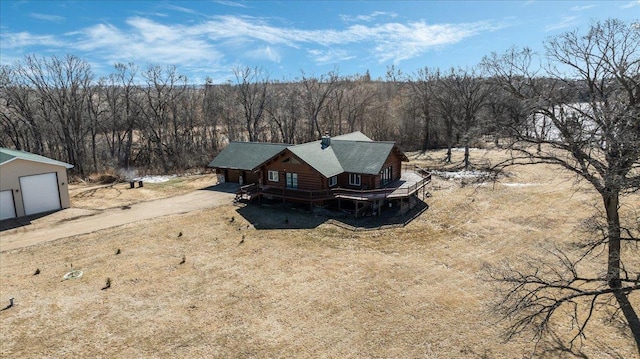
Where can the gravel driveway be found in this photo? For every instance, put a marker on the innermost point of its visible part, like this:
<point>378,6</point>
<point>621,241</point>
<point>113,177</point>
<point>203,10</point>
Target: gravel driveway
<point>75,221</point>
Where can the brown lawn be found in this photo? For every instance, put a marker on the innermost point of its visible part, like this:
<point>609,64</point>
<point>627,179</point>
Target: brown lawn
<point>96,196</point>
<point>417,291</point>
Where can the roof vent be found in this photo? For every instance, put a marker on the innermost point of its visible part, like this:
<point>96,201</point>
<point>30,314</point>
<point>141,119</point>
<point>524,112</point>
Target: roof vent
<point>326,140</point>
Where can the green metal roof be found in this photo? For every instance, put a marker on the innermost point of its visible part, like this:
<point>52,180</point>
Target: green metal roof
<point>324,160</point>
<point>327,160</point>
<point>4,157</point>
<point>362,156</point>
<point>246,155</point>
<point>353,152</point>
<point>7,155</point>
<point>353,136</point>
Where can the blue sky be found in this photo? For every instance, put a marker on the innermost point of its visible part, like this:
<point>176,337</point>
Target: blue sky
<point>211,38</point>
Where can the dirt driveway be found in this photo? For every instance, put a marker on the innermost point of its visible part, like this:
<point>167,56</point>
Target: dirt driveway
<point>75,221</point>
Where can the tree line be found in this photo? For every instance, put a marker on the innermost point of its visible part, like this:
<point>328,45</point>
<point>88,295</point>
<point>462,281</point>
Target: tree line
<point>153,119</point>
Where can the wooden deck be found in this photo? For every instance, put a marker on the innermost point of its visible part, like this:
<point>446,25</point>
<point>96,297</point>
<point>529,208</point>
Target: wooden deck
<point>410,182</point>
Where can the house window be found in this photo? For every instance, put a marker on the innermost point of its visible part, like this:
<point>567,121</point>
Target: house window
<point>386,175</point>
<point>273,176</point>
<point>292,180</point>
<point>333,181</point>
<point>354,179</point>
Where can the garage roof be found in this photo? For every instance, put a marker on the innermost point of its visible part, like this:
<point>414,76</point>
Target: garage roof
<point>7,155</point>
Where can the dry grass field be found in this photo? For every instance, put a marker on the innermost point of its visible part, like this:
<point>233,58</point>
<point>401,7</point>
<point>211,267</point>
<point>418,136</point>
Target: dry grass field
<point>413,292</point>
<point>92,196</point>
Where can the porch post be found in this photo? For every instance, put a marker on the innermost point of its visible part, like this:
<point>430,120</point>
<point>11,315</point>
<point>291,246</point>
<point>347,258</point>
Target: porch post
<point>284,188</point>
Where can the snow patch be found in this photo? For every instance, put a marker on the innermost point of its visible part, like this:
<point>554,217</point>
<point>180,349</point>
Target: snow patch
<point>460,174</point>
<point>461,149</point>
<point>520,184</point>
<point>155,179</point>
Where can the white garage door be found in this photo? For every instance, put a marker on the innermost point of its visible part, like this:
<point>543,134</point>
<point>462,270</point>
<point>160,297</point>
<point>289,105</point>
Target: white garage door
<point>40,193</point>
<point>7,208</point>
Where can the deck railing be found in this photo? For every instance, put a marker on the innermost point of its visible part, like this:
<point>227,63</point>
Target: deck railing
<point>388,191</point>
<point>339,192</point>
<point>298,193</point>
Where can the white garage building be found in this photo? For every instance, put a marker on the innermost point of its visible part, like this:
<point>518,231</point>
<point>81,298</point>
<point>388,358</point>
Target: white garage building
<point>31,184</point>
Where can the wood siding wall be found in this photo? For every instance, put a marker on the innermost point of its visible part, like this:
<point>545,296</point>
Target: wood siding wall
<point>308,178</point>
<point>396,168</point>
<point>311,180</point>
<point>251,177</point>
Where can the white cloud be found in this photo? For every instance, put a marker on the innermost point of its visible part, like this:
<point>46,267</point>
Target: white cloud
<point>233,27</point>
<point>581,8</point>
<point>210,42</point>
<point>180,9</point>
<point>157,14</point>
<point>230,3</point>
<point>367,18</point>
<point>101,36</point>
<point>631,4</point>
<point>146,41</point>
<point>391,40</point>
<point>9,60</point>
<point>567,21</point>
<point>46,17</point>
<point>152,31</point>
<point>396,42</point>
<point>330,56</point>
<point>24,39</point>
<point>266,52</point>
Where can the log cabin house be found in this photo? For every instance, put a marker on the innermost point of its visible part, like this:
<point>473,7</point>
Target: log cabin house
<point>350,171</point>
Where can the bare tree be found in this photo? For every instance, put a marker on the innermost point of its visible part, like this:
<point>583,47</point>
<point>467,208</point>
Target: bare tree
<point>504,112</point>
<point>349,105</point>
<point>161,124</point>
<point>384,119</point>
<point>285,112</point>
<point>466,94</point>
<point>122,115</point>
<point>212,107</point>
<point>596,136</point>
<point>359,100</point>
<point>19,112</point>
<point>422,86</point>
<point>62,86</point>
<point>447,109</point>
<point>96,110</point>
<point>252,96</point>
<point>316,94</point>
